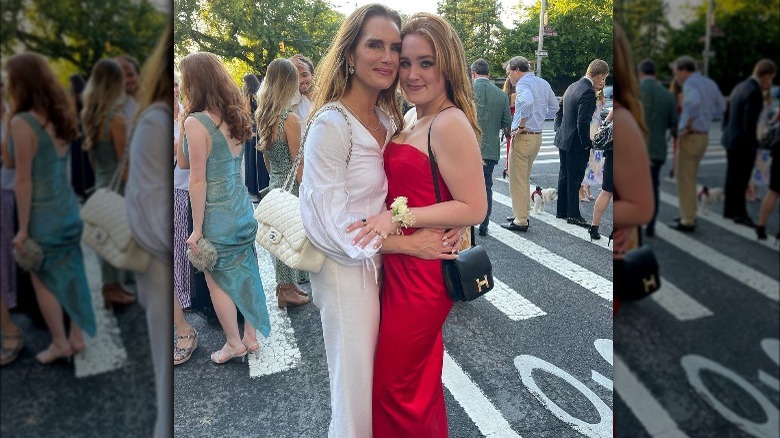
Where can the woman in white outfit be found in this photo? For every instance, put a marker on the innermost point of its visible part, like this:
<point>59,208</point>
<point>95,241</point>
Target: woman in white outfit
<point>343,182</point>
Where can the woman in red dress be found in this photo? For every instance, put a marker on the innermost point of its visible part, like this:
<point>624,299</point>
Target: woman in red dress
<point>408,397</point>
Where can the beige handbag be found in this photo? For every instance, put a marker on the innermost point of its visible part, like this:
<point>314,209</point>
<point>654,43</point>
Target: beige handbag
<point>280,227</point>
<point>106,229</point>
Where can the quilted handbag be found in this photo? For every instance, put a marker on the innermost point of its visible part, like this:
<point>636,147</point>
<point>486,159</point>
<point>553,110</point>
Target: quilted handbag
<point>106,229</point>
<point>280,226</point>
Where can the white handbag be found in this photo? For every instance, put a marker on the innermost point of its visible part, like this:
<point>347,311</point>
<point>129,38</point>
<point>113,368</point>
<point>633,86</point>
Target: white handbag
<point>280,227</point>
<point>106,229</point>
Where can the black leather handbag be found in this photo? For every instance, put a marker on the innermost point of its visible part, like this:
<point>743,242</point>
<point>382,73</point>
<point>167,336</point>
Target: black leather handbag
<point>636,275</point>
<point>602,141</point>
<point>469,276</point>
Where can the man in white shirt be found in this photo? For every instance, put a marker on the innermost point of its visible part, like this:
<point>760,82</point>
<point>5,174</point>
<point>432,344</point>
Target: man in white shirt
<point>132,79</point>
<point>301,104</point>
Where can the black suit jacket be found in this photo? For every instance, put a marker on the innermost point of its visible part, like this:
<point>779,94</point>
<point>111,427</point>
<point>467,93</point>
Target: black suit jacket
<point>741,118</point>
<point>572,122</point>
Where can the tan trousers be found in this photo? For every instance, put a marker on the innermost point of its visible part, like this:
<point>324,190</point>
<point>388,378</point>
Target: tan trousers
<point>521,160</point>
<point>689,153</point>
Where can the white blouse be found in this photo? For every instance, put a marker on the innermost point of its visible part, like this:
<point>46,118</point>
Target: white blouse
<point>334,195</point>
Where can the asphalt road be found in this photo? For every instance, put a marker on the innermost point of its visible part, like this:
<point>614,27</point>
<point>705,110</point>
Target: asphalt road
<point>700,357</point>
<point>522,361</point>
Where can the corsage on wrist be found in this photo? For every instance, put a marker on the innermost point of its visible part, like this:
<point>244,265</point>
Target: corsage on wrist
<point>402,216</point>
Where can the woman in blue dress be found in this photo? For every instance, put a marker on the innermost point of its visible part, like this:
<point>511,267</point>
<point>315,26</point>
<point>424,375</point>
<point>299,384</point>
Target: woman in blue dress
<point>42,126</point>
<point>215,128</point>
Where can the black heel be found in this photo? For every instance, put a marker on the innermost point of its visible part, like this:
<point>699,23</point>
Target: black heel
<point>610,237</point>
<point>593,230</point>
<point>761,232</point>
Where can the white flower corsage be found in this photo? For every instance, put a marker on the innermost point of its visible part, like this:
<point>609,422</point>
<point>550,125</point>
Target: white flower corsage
<point>402,216</point>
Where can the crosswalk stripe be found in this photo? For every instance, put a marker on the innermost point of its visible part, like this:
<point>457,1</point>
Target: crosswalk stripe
<point>279,351</point>
<point>744,274</point>
<point>570,270</point>
<point>678,303</point>
<point>478,407</point>
<point>548,218</point>
<point>706,162</point>
<point>655,419</point>
<point>511,303</point>
<point>717,219</point>
<point>105,352</point>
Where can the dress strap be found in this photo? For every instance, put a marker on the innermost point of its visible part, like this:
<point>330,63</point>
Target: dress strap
<point>107,125</point>
<point>281,124</point>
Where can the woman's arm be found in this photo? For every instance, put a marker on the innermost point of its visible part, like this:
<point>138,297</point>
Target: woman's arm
<point>118,132</point>
<point>25,148</point>
<point>199,147</point>
<point>631,173</point>
<point>292,129</point>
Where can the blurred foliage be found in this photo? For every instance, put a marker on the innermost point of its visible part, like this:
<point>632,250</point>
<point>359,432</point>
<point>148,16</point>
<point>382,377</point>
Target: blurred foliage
<point>80,32</point>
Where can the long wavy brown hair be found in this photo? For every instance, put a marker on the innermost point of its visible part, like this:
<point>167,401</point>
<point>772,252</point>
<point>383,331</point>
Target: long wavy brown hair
<point>104,93</point>
<point>32,85</point>
<point>333,79</point>
<point>207,85</point>
<point>450,61</point>
<point>626,85</point>
<point>278,89</point>
<point>157,76</point>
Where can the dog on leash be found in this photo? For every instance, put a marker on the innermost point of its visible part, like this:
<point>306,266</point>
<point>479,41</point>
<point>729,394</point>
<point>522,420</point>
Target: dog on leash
<point>540,197</point>
<point>707,197</point>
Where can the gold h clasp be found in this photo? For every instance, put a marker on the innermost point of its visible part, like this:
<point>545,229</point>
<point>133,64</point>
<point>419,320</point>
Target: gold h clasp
<point>483,282</point>
<point>649,283</point>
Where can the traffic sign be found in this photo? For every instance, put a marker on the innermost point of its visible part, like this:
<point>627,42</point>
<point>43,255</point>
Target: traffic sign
<point>541,52</point>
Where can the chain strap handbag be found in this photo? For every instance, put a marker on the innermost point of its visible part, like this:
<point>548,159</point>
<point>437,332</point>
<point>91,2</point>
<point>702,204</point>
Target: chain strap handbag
<point>469,276</point>
<point>106,229</point>
<point>280,226</point>
<point>602,141</point>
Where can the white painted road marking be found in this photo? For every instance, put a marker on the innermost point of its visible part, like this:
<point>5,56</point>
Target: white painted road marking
<point>678,303</point>
<point>511,303</point>
<point>656,421</point>
<point>570,270</point>
<point>744,274</point>
<point>481,411</point>
<point>279,352</point>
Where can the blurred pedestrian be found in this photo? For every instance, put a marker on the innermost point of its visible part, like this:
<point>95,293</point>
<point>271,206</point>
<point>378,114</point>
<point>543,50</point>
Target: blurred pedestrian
<point>660,112</point>
<point>82,177</point>
<point>42,125</point>
<point>8,290</point>
<point>149,215</point>
<point>216,126</point>
<point>279,139</point>
<point>132,77</point>
<point>594,172</point>
<point>760,174</point>
<point>105,139</point>
<point>770,200</point>
<point>605,195</point>
<point>740,129</point>
<point>493,117</point>
<point>253,162</point>
<point>702,101</point>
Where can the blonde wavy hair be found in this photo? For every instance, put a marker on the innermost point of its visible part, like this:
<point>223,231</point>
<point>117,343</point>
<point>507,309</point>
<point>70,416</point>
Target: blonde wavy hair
<point>626,89</point>
<point>207,85</point>
<point>450,61</point>
<point>157,76</point>
<point>105,91</point>
<point>276,92</point>
<point>333,79</point>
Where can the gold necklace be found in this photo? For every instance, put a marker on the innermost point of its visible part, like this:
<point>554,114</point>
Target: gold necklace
<point>359,120</point>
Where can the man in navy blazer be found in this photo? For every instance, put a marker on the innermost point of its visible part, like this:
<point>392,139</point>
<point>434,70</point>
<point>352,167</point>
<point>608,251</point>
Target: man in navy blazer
<point>572,123</point>
<point>739,138</point>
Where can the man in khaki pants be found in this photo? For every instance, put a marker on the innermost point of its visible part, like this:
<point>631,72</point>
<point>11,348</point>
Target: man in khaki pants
<point>702,101</point>
<point>535,99</point>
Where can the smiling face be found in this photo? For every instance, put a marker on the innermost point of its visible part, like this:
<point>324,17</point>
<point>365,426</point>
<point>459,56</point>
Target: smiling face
<point>418,74</point>
<point>305,77</point>
<point>376,53</point>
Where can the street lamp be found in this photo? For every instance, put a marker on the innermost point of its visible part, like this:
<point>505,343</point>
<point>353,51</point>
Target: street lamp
<point>707,36</point>
<point>542,24</point>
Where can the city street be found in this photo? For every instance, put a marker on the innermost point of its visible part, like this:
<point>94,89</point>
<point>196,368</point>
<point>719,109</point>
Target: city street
<point>700,357</point>
<point>532,358</point>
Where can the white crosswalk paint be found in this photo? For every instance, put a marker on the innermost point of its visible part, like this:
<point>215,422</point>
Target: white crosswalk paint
<point>478,407</point>
<point>715,218</point>
<point>678,303</point>
<point>744,274</point>
<point>656,421</point>
<point>105,352</point>
<point>279,352</point>
<point>511,303</point>
<point>568,269</point>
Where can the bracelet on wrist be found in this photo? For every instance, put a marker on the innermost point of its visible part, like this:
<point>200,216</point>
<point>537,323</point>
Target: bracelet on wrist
<point>402,216</point>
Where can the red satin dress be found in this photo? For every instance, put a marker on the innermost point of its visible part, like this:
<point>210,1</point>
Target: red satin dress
<point>408,396</point>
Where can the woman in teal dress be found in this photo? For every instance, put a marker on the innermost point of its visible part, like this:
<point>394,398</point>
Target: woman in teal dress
<point>279,132</point>
<point>105,138</point>
<point>41,130</point>
<point>215,128</point>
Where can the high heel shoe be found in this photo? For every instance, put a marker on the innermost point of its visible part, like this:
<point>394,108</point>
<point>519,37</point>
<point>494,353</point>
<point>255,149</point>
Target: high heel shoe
<point>610,237</point>
<point>8,355</point>
<point>253,348</point>
<point>46,357</point>
<point>761,232</point>
<point>286,295</point>
<point>593,230</point>
<point>181,355</point>
<point>215,355</point>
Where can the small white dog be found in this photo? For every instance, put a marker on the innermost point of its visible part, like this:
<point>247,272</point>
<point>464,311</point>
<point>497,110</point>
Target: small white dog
<point>540,197</point>
<point>709,196</point>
